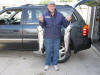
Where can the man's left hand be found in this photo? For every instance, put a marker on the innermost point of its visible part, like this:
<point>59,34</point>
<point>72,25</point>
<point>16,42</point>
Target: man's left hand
<point>69,18</point>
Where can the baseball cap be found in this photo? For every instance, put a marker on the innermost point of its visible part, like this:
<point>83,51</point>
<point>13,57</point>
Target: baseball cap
<point>51,3</point>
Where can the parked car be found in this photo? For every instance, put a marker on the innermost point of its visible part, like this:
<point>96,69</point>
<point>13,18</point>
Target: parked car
<point>18,29</point>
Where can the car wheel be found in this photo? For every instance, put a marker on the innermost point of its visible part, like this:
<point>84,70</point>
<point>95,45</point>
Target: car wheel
<point>64,55</point>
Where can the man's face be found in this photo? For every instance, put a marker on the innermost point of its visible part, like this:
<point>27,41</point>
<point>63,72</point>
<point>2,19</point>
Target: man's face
<point>52,8</point>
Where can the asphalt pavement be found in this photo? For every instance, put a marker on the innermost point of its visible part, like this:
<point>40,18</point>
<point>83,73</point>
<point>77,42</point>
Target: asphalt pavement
<point>13,62</point>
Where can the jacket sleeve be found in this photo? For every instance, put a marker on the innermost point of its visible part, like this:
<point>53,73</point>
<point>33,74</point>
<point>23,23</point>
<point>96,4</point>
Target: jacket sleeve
<point>65,23</point>
<point>43,24</point>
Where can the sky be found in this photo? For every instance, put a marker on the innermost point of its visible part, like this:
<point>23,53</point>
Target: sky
<point>33,1</point>
<point>18,2</point>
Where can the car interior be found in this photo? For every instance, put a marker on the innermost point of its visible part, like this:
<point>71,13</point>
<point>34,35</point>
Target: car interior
<point>10,17</point>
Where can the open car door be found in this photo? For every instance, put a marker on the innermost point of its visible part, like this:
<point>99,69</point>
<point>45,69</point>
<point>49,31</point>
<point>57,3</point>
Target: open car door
<point>88,2</point>
<point>85,42</point>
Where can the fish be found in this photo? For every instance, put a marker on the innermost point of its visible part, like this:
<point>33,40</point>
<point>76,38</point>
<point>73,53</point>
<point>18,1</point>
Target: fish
<point>40,38</point>
<point>67,37</point>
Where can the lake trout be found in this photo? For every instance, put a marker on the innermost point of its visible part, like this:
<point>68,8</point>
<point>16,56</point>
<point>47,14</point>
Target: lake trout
<point>40,38</point>
<point>67,37</point>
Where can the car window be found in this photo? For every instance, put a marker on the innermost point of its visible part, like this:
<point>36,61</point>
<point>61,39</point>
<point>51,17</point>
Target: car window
<point>17,18</point>
<point>66,13</point>
<point>6,14</point>
<point>11,17</point>
<point>31,15</point>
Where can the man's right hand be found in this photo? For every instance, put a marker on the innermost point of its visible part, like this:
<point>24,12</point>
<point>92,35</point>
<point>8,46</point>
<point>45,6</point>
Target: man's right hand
<point>41,18</point>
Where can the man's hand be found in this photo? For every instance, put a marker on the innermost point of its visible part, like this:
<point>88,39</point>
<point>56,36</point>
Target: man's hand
<point>41,18</point>
<point>69,18</point>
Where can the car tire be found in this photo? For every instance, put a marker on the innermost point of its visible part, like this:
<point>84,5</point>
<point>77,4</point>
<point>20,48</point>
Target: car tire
<point>64,55</point>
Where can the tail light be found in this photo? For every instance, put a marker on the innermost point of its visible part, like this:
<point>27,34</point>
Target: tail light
<point>85,30</point>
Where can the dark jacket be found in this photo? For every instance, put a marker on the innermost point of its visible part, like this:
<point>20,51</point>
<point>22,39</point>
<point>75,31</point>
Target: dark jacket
<point>52,25</point>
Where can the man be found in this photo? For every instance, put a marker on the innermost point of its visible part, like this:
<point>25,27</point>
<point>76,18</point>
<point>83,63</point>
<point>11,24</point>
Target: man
<point>51,21</point>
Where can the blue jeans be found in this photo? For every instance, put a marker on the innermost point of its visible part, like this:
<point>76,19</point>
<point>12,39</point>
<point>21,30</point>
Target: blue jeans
<point>52,48</point>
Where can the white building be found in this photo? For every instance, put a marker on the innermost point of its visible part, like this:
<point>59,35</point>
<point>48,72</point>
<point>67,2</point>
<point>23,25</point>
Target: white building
<point>11,3</point>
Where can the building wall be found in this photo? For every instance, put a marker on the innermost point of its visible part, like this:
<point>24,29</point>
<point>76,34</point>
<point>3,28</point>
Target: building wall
<point>94,22</point>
